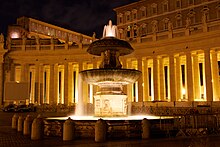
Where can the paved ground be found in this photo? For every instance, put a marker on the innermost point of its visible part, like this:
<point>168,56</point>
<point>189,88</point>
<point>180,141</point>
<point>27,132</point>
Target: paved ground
<point>11,138</point>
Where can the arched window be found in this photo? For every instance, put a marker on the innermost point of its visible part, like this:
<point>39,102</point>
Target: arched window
<point>154,9</point>
<point>143,29</point>
<point>120,18</point>
<point>205,13</point>
<point>135,30</point>
<point>178,4</point>
<point>143,12</point>
<point>134,14</point>
<point>191,16</point>
<point>154,25</point>
<point>165,6</point>
<point>128,19</point>
<point>179,22</point>
<point>121,36</point>
<point>128,31</point>
<point>165,23</point>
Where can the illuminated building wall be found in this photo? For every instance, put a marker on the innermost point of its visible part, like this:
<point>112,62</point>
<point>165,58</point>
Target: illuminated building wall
<point>30,27</point>
<point>176,46</point>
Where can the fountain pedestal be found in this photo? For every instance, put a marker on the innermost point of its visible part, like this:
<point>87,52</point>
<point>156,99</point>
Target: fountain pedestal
<point>110,105</point>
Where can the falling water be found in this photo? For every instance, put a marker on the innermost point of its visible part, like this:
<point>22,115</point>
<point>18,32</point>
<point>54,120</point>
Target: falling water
<point>80,106</point>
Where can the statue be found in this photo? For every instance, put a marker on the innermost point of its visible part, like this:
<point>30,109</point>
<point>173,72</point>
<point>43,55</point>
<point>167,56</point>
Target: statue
<point>110,30</point>
<point>2,38</point>
<point>93,36</point>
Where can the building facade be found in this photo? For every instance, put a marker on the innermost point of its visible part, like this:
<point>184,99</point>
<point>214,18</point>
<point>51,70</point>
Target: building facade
<point>176,46</point>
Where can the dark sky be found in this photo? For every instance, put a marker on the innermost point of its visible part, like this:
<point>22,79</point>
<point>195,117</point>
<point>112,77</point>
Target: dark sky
<point>84,16</point>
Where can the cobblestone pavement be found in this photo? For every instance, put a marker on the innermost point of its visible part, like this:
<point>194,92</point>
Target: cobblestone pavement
<point>12,138</point>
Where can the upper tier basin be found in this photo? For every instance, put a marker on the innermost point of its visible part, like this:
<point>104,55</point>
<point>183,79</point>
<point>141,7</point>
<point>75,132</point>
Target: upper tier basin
<point>116,76</point>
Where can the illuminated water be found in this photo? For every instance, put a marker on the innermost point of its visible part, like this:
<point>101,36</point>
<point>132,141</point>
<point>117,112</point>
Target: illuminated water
<point>134,117</point>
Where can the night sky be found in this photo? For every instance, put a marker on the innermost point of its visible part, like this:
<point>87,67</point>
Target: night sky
<point>83,16</point>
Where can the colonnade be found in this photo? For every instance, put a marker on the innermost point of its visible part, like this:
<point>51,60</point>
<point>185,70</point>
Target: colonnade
<point>189,76</point>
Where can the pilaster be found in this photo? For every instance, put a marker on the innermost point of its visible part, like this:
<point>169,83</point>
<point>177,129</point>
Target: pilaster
<point>172,79</point>
<point>208,76</point>
<point>189,76</point>
<point>155,78</point>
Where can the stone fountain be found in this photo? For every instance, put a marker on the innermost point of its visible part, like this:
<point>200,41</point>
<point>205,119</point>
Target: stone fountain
<point>110,100</point>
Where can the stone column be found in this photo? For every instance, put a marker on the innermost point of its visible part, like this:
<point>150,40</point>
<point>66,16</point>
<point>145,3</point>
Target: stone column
<point>66,82</point>
<point>189,77</point>
<point>145,79</point>
<point>215,75</point>
<point>24,72</point>
<point>55,84</point>
<point>172,78</point>
<point>196,76</point>
<point>129,87</point>
<point>12,72</point>
<point>208,76</point>
<point>36,90</point>
<point>51,86</point>
<point>155,78</point>
<point>140,81</point>
<point>85,89</point>
<point>178,79</point>
<point>1,83</point>
<point>161,77</point>
<point>40,84</point>
<point>70,84</point>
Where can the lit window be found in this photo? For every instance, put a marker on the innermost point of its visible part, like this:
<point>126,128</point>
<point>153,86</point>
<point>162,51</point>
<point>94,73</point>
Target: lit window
<point>15,35</point>
<point>129,31</point>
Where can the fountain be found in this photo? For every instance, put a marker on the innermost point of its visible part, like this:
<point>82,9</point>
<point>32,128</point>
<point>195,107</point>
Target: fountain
<point>110,100</point>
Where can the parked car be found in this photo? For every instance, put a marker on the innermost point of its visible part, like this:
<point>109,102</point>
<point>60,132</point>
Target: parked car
<point>23,108</point>
<point>10,108</point>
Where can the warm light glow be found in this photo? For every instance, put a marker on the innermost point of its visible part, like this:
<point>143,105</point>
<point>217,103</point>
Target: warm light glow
<point>14,35</point>
<point>110,105</point>
<point>134,117</point>
<point>17,81</point>
<point>183,91</point>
